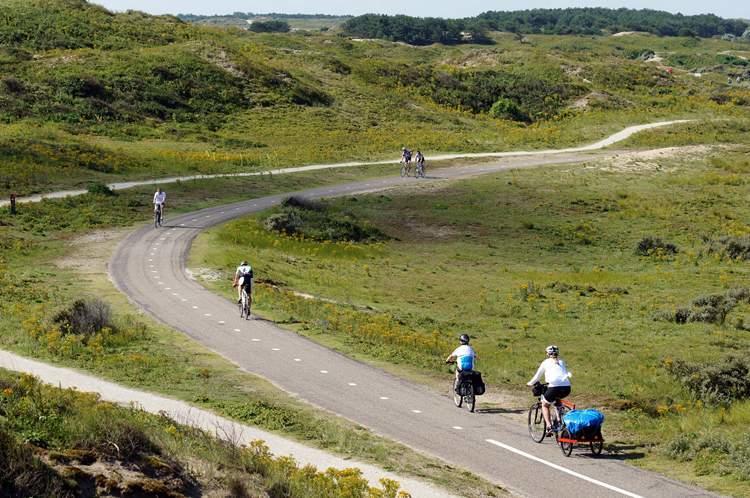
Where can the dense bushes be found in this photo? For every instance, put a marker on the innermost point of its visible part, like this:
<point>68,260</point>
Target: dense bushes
<point>269,26</point>
<point>314,220</point>
<point>416,30</point>
<point>84,316</point>
<point>650,246</point>
<point>23,474</point>
<point>581,21</point>
<point>731,247</point>
<point>712,308</point>
<point>592,21</point>
<point>720,382</point>
<point>520,96</point>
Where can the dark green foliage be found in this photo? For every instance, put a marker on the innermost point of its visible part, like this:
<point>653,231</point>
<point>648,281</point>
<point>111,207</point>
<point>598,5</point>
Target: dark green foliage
<point>732,247</point>
<point>416,30</point>
<point>100,189</point>
<point>316,221</point>
<point>579,21</point>
<point>269,27</point>
<point>718,382</point>
<point>650,246</point>
<point>84,317</point>
<point>594,21</point>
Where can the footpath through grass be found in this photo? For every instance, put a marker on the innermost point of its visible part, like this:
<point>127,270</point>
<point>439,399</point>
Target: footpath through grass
<point>50,258</point>
<point>636,268</point>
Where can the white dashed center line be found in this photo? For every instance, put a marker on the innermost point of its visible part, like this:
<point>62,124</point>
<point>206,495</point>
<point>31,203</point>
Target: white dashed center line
<point>458,427</point>
<point>206,314</point>
<point>324,371</point>
<point>384,398</point>
<point>297,359</point>
<point>416,411</point>
<point>352,384</point>
<point>237,330</point>
<point>275,349</point>
<point>195,307</point>
<point>255,340</point>
<point>221,322</point>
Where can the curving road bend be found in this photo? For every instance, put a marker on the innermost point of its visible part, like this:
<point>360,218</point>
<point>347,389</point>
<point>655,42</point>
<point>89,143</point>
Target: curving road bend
<point>149,266</point>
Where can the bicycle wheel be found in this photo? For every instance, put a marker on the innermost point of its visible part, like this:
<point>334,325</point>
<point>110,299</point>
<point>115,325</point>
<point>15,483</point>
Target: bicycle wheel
<point>247,308</point>
<point>564,438</point>
<point>537,427</point>
<point>470,400</point>
<point>597,445</point>
<point>458,400</point>
<point>403,170</point>
<point>156,218</point>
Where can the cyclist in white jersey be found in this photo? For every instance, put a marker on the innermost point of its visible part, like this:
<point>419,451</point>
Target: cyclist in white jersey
<point>160,198</point>
<point>243,277</point>
<point>557,377</point>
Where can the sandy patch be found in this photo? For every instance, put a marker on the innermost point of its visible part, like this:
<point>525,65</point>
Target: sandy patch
<point>643,161</point>
<point>90,253</point>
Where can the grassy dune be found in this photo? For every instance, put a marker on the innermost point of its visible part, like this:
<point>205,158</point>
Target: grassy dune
<point>97,96</point>
<point>532,257</point>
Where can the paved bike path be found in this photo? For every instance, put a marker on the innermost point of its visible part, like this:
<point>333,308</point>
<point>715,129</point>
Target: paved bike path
<point>606,142</point>
<point>149,266</point>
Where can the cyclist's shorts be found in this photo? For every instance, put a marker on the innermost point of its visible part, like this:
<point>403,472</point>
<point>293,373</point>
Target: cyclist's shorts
<point>246,281</point>
<point>552,394</point>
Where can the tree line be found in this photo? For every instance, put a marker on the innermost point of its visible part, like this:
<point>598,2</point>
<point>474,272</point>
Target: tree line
<point>575,21</point>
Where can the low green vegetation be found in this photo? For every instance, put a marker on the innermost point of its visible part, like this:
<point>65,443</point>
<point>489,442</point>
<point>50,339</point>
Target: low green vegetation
<point>640,290</point>
<point>96,96</point>
<point>58,443</point>
<point>59,306</point>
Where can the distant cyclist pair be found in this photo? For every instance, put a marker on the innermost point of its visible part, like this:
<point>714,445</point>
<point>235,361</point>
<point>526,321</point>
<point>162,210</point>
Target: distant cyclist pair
<point>553,368</point>
<point>406,160</point>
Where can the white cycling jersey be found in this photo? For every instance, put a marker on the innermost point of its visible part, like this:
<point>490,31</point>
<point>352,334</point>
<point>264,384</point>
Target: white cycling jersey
<point>555,373</point>
<point>160,197</point>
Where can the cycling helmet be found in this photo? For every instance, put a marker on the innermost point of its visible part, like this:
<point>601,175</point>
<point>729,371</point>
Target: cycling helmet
<point>553,350</point>
<point>464,339</point>
<point>244,263</point>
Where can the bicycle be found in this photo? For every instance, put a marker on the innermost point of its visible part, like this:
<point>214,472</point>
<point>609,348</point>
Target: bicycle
<point>537,425</point>
<point>463,394</point>
<point>158,210</point>
<point>419,173</point>
<point>405,167</point>
<point>244,304</point>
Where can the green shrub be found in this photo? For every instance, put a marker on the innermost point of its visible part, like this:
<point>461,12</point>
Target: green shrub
<point>99,188</point>
<point>719,382</point>
<point>712,308</point>
<point>313,220</point>
<point>731,247</point>
<point>85,317</point>
<point>649,246</point>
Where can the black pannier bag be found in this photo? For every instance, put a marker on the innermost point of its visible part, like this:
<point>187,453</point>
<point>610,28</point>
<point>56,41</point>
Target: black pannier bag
<point>479,386</point>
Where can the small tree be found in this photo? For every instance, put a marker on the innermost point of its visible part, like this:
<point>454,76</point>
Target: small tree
<point>505,108</point>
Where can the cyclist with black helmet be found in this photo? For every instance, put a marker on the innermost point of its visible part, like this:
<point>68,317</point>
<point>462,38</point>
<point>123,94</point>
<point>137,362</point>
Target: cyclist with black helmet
<point>464,356</point>
<point>243,277</point>
<point>557,377</point>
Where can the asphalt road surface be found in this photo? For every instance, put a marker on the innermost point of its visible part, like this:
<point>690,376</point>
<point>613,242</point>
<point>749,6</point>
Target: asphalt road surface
<point>149,266</point>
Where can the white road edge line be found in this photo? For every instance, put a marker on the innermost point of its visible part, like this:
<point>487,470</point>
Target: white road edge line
<point>563,469</point>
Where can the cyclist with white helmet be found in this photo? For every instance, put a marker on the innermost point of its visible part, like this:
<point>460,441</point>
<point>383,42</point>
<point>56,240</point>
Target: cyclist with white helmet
<point>243,277</point>
<point>557,377</point>
<point>464,356</point>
